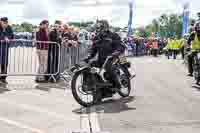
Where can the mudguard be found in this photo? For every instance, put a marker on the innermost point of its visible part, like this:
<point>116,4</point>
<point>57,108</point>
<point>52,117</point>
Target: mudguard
<point>82,69</point>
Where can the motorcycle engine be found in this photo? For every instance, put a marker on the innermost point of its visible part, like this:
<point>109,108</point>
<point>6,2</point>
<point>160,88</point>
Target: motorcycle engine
<point>106,76</point>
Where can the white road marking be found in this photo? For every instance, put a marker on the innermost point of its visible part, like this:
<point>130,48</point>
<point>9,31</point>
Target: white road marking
<point>89,122</point>
<point>94,122</point>
<point>85,125</point>
<point>42,95</point>
<point>20,125</point>
<point>84,118</point>
<point>36,109</point>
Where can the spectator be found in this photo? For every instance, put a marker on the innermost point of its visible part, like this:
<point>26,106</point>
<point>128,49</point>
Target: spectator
<point>42,50</point>
<point>74,49</point>
<point>137,43</point>
<point>67,36</point>
<point>66,42</point>
<point>6,33</point>
<point>53,55</point>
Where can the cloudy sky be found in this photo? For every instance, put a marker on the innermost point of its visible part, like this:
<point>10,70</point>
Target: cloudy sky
<point>116,11</point>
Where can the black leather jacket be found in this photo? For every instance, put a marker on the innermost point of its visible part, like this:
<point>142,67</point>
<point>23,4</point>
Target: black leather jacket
<point>105,44</point>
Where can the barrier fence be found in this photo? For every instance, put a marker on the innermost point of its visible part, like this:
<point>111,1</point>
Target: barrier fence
<point>35,58</point>
<point>71,56</point>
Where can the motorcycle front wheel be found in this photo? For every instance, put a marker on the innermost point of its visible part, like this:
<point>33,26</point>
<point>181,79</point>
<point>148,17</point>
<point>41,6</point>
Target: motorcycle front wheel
<point>89,96</point>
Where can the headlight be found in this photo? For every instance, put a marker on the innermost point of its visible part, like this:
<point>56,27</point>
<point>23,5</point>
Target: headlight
<point>93,70</point>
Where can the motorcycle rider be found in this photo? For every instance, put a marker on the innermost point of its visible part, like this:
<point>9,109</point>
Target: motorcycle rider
<point>106,43</point>
<point>194,42</point>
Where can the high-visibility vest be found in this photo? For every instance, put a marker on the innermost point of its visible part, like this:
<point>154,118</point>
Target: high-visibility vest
<point>172,44</point>
<point>169,44</point>
<point>176,44</point>
<point>195,43</point>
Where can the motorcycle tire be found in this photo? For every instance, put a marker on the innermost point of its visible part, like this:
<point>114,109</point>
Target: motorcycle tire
<point>97,96</point>
<point>197,81</point>
<point>121,93</point>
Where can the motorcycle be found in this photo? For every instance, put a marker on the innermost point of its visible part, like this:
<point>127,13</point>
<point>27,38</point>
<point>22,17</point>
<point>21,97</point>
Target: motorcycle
<point>196,67</point>
<point>96,84</point>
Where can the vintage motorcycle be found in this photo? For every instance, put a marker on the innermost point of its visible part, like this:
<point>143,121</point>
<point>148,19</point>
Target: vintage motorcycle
<point>95,83</point>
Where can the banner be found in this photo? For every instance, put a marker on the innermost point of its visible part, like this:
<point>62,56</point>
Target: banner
<point>185,27</point>
<point>130,18</point>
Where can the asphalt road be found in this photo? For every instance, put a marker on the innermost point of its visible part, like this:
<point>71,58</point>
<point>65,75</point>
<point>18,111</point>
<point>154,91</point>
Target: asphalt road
<point>163,100</point>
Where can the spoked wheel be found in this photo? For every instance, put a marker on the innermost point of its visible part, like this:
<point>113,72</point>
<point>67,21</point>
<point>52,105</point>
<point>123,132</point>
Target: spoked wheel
<point>126,83</point>
<point>84,94</point>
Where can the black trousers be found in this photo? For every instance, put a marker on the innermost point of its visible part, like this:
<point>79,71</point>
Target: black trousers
<point>183,52</point>
<point>4,50</point>
<point>191,61</point>
<point>53,61</point>
<point>155,52</point>
<point>4,70</point>
<point>175,53</point>
<point>172,52</point>
<point>136,50</point>
<point>111,69</point>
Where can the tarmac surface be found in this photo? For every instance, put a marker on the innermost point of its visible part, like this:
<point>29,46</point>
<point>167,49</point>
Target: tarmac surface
<point>163,100</point>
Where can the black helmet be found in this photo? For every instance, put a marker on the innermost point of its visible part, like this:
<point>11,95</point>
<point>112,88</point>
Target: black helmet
<point>197,27</point>
<point>102,25</point>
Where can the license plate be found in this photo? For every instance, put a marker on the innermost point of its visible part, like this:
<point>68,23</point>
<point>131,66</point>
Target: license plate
<point>198,55</point>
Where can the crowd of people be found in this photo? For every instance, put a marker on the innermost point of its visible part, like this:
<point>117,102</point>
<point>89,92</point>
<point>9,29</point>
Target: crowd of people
<point>138,46</point>
<point>48,41</point>
<point>48,54</point>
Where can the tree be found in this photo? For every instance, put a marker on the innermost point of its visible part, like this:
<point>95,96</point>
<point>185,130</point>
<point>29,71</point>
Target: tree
<point>17,28</point>
<point>155,25</point>
<point>198,14</point>
<point>27,27</point>
<point>142,32</point>
<point>76,24</point>
<point>81,24</point>
<point>116,29</point>
<point>166,26</point>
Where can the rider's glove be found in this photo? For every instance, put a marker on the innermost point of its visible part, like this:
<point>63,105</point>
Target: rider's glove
<point>86,60</point>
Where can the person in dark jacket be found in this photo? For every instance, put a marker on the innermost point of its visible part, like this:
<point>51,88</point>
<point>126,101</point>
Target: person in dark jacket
<point>54,51</point>
<point>6,33</point>
<point>137,43</point>
<point>107,43</point>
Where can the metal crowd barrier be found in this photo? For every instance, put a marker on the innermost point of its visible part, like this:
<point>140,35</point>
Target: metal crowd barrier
<point>71,56</point>
<point>35,58</point>
<point>29,58</point>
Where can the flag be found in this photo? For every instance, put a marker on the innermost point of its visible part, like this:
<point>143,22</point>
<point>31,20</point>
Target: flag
<point>130,18</point>
<point>185,26</point>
